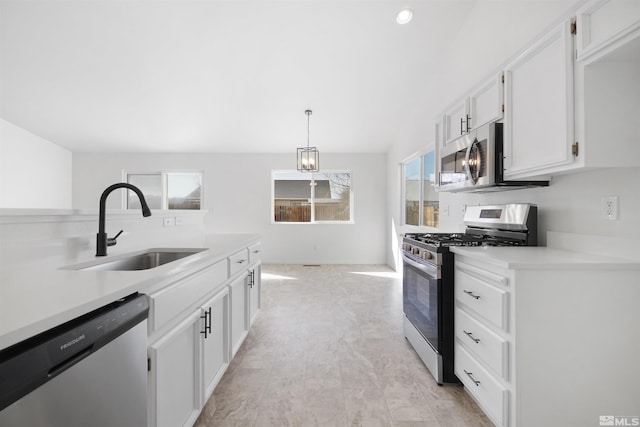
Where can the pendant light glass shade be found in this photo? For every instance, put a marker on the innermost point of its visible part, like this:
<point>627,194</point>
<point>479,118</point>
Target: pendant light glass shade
<point>308,157</point>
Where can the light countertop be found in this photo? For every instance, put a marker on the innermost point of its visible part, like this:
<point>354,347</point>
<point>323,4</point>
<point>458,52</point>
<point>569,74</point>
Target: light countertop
<point>540,257</point>
<point>33,300</point>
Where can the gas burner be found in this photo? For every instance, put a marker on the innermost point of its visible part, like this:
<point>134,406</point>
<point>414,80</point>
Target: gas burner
<point>447,239</point>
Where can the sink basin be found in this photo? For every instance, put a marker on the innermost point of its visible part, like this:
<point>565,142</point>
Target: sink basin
<point>143,261</point>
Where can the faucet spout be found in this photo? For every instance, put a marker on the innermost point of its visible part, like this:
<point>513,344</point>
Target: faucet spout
<point>101,239</point>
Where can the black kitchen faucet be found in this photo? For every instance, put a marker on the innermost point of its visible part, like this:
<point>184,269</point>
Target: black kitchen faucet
<point>102,241</point>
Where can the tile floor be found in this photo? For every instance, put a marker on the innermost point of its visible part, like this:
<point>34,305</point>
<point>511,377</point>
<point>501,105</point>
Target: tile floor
<point>327,349</point>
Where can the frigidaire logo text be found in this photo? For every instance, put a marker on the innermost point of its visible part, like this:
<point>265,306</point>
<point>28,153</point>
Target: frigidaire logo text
<point>72,342</point>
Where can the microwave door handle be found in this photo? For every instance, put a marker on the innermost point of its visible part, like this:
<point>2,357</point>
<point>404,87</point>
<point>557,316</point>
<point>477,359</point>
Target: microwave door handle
<point>466,164</point>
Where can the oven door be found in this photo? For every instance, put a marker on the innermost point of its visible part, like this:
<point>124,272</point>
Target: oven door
<point>421,286</point>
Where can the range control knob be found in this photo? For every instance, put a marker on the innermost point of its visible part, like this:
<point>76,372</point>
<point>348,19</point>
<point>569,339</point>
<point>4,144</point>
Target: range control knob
<point>427,255</point>
<point>415,251</point>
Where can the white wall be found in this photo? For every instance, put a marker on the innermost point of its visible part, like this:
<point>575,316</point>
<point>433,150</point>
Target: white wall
<point>237,193</point>
<point>34,173</point>
<point>572,203</point>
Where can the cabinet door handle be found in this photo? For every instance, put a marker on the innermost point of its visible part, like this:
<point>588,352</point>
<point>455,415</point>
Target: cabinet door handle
<point>461,125</point>
<point>251,278</point>
<point>468,123</point>
<point>241,261</point>
<point>256,251</point>
<point>207,322</point>
<point>470,335</point>
<point>470,375</point>
<point>205,331</point>
<point>471,294</point>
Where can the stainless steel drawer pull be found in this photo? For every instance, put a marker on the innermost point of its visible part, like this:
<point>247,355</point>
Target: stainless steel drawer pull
<point>470,375</point>
<point>256,251</point>
<point>470,335</point>
<point>241,261</point>
<point>471,294</point>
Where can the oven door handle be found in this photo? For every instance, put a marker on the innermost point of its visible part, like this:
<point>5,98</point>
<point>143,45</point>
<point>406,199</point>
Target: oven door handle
<point>429,269</point>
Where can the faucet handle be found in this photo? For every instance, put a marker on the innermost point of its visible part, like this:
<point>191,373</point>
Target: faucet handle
<point>111,241</point>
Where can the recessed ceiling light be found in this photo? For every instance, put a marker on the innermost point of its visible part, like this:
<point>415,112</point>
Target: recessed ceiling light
<point>404,16</point>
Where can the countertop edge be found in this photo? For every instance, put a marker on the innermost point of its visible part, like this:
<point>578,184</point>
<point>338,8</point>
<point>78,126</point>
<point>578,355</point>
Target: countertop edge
<point>545,258</point>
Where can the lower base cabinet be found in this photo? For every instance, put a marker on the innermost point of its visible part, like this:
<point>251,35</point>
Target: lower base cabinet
<point>554,347</point>
<point>255,285</point>
<point>238,290</point>
<point>174,380</point>
<point>215,348</point>
<point>198,324</point>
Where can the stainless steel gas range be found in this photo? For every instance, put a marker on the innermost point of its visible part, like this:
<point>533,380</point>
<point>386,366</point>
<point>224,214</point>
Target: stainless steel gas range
<point>428,285</point>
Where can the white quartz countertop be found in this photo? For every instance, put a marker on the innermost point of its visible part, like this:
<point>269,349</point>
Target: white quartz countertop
<point>540,257</point>
<point>33,300</point>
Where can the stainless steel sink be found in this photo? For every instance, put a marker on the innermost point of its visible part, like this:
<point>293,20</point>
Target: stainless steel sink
<point>143,261</point>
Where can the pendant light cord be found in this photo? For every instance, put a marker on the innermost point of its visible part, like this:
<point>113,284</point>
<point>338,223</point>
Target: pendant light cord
<point>308,113</point>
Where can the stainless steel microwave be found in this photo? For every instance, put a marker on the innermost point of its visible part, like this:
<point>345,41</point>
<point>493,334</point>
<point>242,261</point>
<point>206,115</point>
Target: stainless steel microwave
<point>474,162</point>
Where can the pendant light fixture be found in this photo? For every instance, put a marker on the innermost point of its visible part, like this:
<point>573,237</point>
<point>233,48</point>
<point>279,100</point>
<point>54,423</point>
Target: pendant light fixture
<point>308,157</point>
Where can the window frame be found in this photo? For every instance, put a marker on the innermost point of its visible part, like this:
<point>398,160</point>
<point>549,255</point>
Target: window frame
<point>165,187</point>
<point>420,156</point>
<point>274,172</point>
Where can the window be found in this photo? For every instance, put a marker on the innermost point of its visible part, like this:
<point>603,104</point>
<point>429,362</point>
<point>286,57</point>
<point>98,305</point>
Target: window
<point>421,203</point>
<point>166,190</point>
<point>312,198</point>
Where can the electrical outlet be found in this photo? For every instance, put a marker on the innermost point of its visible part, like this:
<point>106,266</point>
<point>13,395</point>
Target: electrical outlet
<point>610,208</point>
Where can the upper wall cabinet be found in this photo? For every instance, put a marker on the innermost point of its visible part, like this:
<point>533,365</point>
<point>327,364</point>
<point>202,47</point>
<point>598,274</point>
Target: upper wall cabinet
<point>486,102</point>
<point>538,122</point>
<point>571,99</point>
<point>605,25</point>
<point>454,122</point>
<point>483,105</point>
<point>607,81</point>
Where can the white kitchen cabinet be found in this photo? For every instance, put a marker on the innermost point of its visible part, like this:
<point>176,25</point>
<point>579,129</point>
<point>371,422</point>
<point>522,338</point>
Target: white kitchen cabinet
<point>254,293</point>
<point>238,290</point>
<point>454,121</point>
<point>255,252</point>
<point>197,324</point>
<point>539,110</point>
<point>215,340</point>
<point>604,26</point>
<point>490,393</point>
<point>254,282</point>
<point>481,354</point>
<point>607,81</point>
<point>175,375</point>
<point>563,354</point>
<point>238,262</point>
<point>484,104</point>
<point>180,297</point>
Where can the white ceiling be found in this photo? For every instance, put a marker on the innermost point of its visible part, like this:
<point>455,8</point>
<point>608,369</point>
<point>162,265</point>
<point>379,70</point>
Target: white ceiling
<point>221,76</point>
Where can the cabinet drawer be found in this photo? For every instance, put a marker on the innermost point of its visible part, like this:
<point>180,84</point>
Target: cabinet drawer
<point>255,252</point>
<point>487,300</point>
<point>601,23</point>
<point>490,394</point>
<point>492,349</point>
<point>173,300</point>
<point>238,262</point>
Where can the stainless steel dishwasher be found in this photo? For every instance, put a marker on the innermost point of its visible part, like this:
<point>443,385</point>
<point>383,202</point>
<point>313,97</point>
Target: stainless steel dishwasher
<point>91,371</point>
